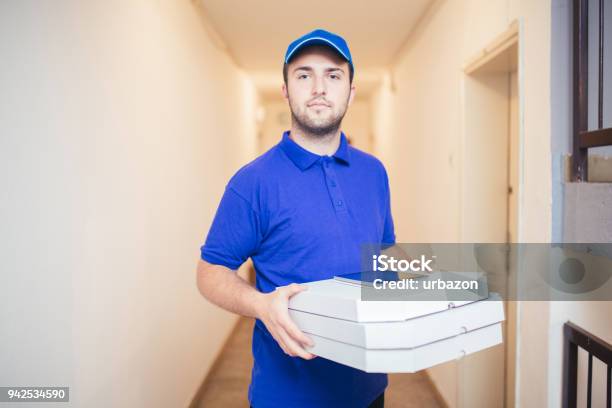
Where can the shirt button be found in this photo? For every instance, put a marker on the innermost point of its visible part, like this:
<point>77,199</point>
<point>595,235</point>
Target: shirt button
<point>339,203</point>
<point>326,163</point>
<point>333,183</point>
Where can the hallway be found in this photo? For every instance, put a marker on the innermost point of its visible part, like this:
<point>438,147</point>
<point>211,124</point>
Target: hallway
<point>228,382</point>
<point>123,121</point>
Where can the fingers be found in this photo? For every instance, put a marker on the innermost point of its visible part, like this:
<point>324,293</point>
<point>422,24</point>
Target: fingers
<point>280,342</point>
<point>292,329</point>
<point>289,346</point>
<point>288,336</point>
<point>293,289</point>
<point>292,348</point>
<point>285,321</point>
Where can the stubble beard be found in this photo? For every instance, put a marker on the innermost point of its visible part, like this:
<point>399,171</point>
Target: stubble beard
<point>317,128</point>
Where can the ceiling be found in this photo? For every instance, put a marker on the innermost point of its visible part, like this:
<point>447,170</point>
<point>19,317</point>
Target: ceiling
<point>257,33</point>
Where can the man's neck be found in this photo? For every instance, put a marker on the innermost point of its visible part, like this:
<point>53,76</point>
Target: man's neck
<point>323,145</point>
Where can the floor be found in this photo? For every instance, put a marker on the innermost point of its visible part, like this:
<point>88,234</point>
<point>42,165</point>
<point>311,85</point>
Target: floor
<point>227,384</point>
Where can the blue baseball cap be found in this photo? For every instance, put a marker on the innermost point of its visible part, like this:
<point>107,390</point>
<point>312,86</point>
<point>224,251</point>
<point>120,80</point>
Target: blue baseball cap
<point>320,37</point>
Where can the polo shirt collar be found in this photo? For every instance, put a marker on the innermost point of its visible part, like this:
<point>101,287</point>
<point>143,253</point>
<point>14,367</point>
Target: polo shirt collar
<point>303,159</point>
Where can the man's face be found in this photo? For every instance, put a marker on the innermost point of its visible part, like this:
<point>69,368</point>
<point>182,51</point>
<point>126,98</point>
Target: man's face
<point>318,90</point>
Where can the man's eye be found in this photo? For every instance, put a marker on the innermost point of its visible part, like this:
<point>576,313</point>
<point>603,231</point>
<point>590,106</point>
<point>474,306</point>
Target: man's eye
<point>301,76</point>
<point>334,76</point>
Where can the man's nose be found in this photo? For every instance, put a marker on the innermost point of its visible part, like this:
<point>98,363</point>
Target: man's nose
<point>318,86</point>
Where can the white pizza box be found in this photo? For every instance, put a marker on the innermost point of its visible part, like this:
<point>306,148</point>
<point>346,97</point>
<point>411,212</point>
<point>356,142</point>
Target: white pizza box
<point>407,360</point>
<point>342,300</point>
<point>409,333</point>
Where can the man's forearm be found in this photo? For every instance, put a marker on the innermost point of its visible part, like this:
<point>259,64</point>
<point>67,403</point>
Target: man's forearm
<point>224,288</point>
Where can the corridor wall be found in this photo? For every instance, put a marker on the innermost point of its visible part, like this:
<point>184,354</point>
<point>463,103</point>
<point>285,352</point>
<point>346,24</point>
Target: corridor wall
<point>418,115</point>
<point>120,124</point>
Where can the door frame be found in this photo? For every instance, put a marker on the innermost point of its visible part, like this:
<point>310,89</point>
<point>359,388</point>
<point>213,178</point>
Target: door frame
<point>489,58</point>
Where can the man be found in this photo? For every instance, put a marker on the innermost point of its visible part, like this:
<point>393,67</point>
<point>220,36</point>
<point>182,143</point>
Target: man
<point>301,212</point>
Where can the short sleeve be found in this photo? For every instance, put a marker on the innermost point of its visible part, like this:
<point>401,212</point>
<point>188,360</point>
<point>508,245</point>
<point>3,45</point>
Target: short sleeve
<point>234,234</point>
<point>389,229</point>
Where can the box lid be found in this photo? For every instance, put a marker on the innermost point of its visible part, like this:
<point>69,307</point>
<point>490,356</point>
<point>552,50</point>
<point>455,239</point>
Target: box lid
<point>408,333</point>
<point>343,300</point>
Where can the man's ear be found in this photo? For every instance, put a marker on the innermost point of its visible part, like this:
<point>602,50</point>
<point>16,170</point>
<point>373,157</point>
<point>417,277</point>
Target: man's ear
<point>284,90</point>
<point>351,95</point>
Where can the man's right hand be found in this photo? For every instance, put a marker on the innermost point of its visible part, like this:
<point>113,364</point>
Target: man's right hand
<point>272,310</point>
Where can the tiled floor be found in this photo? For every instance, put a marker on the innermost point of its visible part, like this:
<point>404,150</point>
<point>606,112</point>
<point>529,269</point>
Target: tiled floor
<point>228,383</point>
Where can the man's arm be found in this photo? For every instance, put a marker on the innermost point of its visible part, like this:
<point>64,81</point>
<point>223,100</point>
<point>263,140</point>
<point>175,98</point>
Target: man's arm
<point>224,288</point>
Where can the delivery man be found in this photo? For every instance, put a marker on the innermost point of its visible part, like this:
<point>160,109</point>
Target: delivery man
<point>300,211</point>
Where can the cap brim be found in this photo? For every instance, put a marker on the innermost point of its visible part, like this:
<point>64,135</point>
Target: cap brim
<point>316,41</point>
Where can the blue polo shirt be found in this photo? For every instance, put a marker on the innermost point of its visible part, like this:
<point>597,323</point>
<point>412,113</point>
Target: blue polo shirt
<point>302,217</point>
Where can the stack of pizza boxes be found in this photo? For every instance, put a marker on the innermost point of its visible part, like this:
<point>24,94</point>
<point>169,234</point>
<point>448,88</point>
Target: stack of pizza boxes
<point>387,336</point>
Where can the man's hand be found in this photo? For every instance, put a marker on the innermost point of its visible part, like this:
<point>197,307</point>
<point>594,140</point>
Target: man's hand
<point>226,289</point>
<point>272,310</point>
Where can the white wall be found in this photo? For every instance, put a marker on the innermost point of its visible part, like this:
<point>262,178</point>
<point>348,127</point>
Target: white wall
<point>357,124</point>
<point>418,117</point>
<point>119,129</point>
<point>276,120</point>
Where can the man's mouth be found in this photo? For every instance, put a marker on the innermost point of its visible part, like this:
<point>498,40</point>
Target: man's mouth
<point>318,104</point>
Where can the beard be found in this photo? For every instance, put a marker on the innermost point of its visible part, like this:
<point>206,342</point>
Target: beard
<point>315,125</point>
